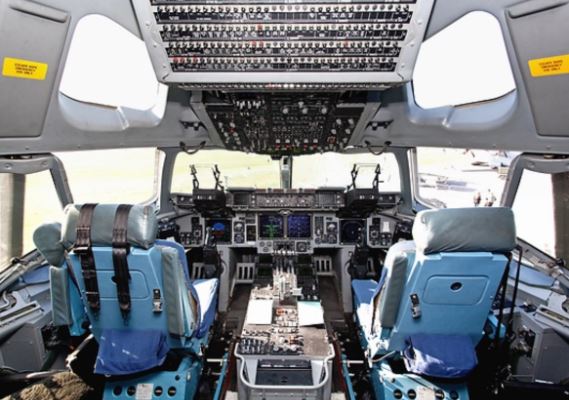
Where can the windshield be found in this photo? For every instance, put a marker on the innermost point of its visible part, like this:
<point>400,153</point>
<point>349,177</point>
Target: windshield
<point>237,170</point>
<point>111,176</point>
<point>332,169</point>
<point>259,171</point>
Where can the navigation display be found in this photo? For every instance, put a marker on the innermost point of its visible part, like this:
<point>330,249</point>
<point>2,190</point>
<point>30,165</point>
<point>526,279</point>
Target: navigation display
<point>220,229</point>
<point>299,226</point>
<point>350,230</point>
<point>271,226</point>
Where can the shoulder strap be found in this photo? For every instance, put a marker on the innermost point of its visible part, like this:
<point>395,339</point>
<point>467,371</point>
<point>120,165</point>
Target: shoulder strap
<point>83,249</point>
<point>120,251</point>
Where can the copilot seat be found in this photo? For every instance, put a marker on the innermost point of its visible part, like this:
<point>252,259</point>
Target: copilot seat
<point>435,293</point>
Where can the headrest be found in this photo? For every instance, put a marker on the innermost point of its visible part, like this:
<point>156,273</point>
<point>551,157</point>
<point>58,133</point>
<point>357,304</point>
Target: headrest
<point>47,239</point>
<point>141,226</point>
<point>465,230</point>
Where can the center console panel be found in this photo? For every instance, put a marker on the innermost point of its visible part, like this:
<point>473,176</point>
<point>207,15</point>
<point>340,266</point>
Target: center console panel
<point>284,344</point>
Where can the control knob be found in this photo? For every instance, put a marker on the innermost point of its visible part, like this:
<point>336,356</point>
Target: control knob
<point>239,238</point>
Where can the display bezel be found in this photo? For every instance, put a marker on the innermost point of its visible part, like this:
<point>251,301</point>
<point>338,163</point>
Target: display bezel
<point>228,228</point>
<point>343,223</point>
<point>288,218</point>
<point>260,226</point>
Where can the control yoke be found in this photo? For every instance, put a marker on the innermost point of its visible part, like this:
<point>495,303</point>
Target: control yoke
<point>211,258</point>
<point>358,262</point>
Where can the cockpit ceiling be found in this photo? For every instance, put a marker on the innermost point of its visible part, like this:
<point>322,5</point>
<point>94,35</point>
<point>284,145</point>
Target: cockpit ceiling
<point>345,67</point>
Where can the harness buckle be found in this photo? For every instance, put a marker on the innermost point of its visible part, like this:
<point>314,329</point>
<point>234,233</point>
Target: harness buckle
<point>415,306</point>
<point>156,301</point>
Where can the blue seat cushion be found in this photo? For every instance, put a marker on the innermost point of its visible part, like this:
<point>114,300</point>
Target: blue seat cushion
<point>364,293</point>
<point>440,356</point>
<point>128,351</point>
<point>206,290</point>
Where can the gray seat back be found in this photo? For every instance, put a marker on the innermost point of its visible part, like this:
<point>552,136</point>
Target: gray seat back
<point>454,271</point>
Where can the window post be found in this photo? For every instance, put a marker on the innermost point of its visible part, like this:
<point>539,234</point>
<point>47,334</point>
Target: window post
<point>560,184</point>
<point>12,189</point>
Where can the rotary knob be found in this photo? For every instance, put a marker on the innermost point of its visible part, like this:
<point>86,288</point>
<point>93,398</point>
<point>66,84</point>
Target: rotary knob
<point>239,238</point>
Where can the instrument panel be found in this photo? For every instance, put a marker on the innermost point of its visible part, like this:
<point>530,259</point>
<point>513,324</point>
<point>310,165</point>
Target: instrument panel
<point>289,222</point>
<point>243,199</point>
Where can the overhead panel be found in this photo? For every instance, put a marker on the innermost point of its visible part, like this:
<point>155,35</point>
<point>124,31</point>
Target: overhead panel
<point>286,123</point>
<point>272,45</point>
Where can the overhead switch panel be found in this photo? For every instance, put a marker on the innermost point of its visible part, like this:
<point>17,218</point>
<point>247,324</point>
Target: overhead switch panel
<point>371,44</point>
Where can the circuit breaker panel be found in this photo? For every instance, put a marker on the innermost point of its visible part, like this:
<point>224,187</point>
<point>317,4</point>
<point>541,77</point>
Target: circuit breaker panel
<point>282,44</point>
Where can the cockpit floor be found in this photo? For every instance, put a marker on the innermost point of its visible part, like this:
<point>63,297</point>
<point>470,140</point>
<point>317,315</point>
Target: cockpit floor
<point>60,386</point>
<point>330,299</point>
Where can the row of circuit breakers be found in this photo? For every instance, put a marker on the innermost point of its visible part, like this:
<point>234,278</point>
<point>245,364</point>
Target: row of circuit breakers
<point>222,38</point>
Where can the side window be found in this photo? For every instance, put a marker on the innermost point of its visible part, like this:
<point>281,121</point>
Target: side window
<point>450,178</point>
<point>534,211</point>
<point>108,66</point>
<point>464,63</point>
<point>102,176</point>
<point>22,211</point>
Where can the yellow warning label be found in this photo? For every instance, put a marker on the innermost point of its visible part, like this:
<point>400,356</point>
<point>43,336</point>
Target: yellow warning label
<point>556,65</point>
<point>25,69</point>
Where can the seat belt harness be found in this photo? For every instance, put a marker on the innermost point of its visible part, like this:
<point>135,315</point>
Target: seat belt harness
<point>121,249</point>
<point>83,249</point>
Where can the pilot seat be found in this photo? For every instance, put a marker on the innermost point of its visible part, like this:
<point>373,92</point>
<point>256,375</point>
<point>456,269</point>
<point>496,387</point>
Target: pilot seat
<point>433,299</point>
<point>109,274</point>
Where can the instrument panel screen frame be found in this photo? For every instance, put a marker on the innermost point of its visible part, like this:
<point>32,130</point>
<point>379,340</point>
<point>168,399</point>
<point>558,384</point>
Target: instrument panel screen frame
<point>350,239</point>
<point>302,232</point>
<point>263,222</point>
<point>226,235</point>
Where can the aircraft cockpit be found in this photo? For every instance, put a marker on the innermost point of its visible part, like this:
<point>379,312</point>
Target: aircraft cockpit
<point>284,199</point>
<point>293,291</point>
